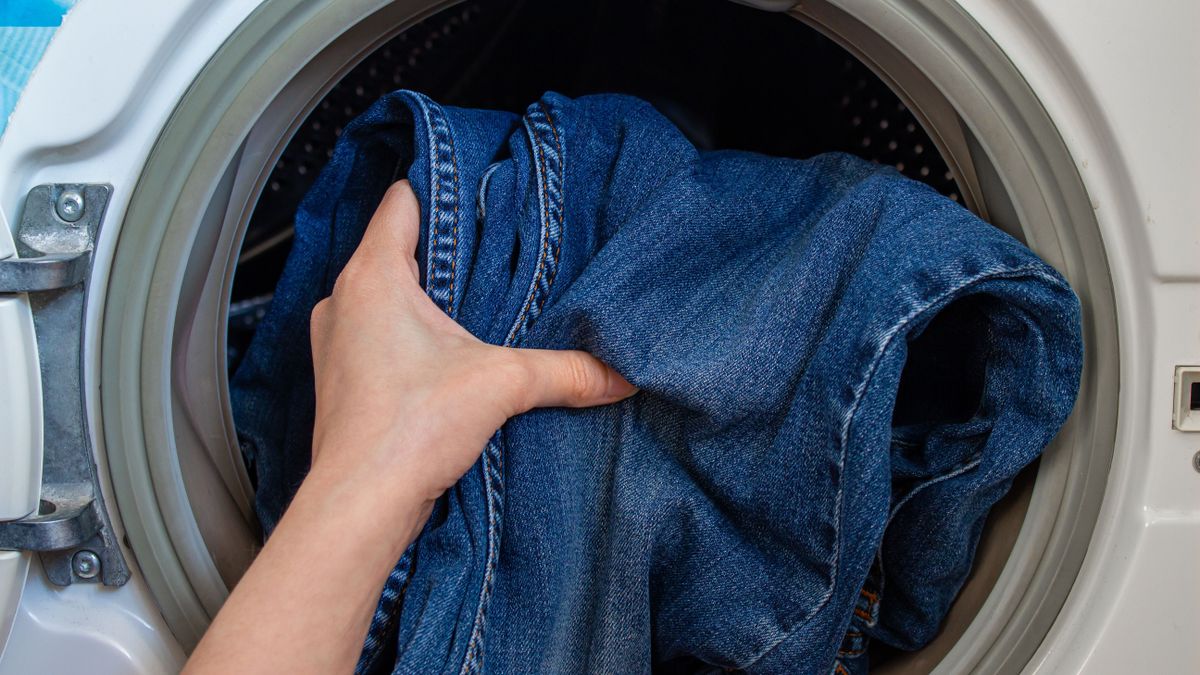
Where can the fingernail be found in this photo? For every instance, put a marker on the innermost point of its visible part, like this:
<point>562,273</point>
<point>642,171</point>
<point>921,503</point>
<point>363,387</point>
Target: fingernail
<point>618,387</point>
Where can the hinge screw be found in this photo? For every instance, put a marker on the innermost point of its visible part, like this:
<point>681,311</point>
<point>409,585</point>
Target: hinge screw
<point>69,205</point>
<point>1196,461</point>
<point>86,565</point>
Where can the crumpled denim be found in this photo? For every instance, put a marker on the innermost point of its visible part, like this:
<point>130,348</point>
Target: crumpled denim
<point>841,371</point>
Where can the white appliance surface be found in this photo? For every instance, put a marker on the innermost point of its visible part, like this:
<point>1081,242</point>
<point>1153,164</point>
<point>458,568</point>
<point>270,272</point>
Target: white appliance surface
<point>1117,78</point>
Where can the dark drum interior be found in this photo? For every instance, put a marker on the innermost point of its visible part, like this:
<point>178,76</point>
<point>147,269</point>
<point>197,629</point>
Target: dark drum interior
<point>728,75</point>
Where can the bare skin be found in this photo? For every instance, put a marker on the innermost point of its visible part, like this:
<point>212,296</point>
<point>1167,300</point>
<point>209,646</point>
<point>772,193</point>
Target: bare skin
<point>406,400</point>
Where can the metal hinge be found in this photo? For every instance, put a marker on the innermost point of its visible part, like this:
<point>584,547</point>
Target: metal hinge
<point>71,530</point>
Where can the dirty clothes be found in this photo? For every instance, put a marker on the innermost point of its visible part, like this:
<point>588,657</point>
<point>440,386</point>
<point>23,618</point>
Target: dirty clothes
<point>841,371</point>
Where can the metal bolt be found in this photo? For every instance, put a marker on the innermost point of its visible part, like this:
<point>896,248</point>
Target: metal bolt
<point>86,565</point>
<point>1196,461</point>
<point>70,205</point>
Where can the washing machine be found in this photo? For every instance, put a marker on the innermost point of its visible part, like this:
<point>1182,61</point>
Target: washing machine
<point>157,152</point>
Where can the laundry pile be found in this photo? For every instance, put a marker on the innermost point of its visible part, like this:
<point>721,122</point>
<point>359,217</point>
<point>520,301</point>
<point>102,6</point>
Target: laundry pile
<point>841,371</point>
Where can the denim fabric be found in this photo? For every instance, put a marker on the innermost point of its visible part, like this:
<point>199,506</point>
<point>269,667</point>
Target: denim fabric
<point>841,371</point>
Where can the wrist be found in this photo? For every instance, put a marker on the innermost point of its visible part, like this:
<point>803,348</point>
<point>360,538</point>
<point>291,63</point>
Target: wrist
<point>362,509</point>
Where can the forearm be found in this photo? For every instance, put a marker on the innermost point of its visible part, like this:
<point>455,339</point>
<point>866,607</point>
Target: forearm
<point>306,603</point>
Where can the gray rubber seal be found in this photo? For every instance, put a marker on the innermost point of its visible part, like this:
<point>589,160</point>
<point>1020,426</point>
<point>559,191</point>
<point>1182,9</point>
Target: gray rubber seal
<point>180,487</point>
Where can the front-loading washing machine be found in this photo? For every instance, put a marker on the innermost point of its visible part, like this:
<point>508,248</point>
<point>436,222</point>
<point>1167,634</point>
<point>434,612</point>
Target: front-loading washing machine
<point>156,154</point>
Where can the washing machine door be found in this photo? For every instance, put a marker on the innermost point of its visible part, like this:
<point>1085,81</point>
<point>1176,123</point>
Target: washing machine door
<point>178,149</point>
<point>71,593</point>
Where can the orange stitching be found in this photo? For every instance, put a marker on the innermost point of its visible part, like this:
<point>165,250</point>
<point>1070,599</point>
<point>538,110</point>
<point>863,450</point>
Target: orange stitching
<point>839,669</point>
<point>871,597</point>
<point>862,614</point>
<point>850,634</point>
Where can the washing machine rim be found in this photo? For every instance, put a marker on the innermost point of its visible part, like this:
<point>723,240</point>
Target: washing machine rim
<point>912,45</point>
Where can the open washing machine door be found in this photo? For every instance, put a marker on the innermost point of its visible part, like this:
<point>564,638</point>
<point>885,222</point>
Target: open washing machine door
<point>199,123</point>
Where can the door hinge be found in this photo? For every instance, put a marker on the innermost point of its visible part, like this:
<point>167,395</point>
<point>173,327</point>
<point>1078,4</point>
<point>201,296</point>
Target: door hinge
<point>70,530</point>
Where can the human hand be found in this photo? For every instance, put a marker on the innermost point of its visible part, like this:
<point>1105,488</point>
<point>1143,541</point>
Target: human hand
<point>406,400</point>
<point>406,396</point>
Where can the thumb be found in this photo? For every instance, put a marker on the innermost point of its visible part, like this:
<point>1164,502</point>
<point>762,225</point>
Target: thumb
<point>396,226</point>
<point>571,379</point>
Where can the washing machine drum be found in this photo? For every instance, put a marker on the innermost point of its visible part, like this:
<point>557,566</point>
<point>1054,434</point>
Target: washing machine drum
<point>818,79</point>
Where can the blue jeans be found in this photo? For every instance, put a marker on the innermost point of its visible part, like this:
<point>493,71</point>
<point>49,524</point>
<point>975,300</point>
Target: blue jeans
<point>841,371</point>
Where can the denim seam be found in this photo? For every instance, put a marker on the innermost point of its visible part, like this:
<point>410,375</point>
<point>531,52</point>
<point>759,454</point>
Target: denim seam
<point>556,206</point>
<point>493,486</point>
<point>958,471</point>
<point>550,179</point>
<point>859,391</point>
<point>851,634</point>
<point>440,287</point>
<point>442,254</point>
<point>481,198</point>
<point>550,193</point>
<point>870,614</point>
<point>393,590</point>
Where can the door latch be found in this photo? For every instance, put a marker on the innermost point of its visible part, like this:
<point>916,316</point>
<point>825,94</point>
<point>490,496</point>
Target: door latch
<point>70,530</point>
